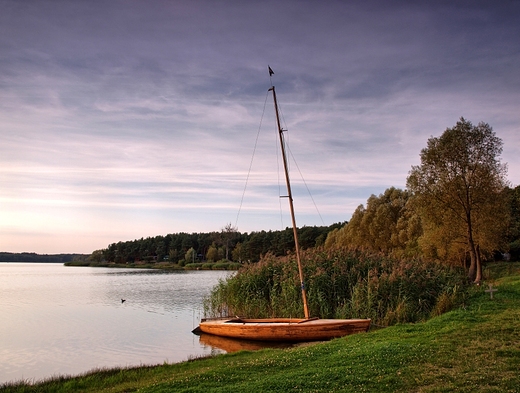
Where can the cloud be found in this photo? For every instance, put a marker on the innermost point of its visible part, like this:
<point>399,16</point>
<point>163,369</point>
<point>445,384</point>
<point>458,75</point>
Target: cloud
<point>121,119</point>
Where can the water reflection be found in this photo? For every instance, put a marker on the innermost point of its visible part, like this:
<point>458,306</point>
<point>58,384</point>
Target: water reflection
<point>234,345</point>
<point>139,272</point>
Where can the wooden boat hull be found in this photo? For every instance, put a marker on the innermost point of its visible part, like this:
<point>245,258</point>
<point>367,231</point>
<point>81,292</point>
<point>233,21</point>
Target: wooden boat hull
<point>282,329</point>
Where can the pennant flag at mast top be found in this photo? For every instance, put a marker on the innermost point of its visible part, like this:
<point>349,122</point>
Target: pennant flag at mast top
<point>271,72</point>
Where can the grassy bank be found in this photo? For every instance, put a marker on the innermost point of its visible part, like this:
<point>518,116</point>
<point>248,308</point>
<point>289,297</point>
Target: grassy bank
<point>473,348</point>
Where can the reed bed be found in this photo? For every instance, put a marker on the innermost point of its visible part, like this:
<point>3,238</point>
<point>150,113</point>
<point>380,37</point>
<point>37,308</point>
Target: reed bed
<point>340,284</point>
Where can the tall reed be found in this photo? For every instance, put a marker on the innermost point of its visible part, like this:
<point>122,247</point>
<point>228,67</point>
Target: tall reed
<point>340,284</point>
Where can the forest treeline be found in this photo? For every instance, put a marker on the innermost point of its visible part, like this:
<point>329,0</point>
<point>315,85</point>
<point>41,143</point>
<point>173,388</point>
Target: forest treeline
<point>41,258</point>
<point>227,244</point>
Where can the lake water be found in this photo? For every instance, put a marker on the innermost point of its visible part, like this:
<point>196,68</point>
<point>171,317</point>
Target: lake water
<point>58,320</point>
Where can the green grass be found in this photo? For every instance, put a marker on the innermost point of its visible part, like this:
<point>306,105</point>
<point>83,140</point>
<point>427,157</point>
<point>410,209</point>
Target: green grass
<point>473,348</point>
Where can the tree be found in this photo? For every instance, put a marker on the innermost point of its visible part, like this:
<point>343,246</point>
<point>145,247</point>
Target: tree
<point>190,255</point>
<point>459,193</point>
<point>173,255</point>
<point>387,225</point>
<point>228,234</point>
<point>212,254</point>
<point>237,253</point>
<point>96,256</point>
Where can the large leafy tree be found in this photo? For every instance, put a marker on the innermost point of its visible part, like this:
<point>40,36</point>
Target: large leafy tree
<point>459,194</point>
<point>387,224</point>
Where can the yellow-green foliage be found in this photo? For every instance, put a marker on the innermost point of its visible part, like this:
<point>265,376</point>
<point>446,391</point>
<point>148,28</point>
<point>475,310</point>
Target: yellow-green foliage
<point>387,224</point>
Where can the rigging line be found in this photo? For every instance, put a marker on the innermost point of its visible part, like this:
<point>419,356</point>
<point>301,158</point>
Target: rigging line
<point>277,155</point>
<point>286,142</point>
<point>278,171</point>
<point>285,129</point>
<point>252,158</point>
<point>306,186</point>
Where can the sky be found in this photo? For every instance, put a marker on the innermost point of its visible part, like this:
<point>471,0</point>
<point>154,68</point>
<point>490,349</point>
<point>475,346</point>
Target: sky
<point>128,119</point>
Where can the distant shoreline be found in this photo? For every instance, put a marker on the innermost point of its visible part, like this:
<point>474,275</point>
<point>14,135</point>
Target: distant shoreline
<point>160,265</point>
<point>81,260</point>
<point>32,257</point>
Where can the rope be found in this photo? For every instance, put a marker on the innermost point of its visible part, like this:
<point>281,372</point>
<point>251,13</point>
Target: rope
<point>278,171</point>
<point>286,142</point>
<point>307,187</point>
<point>252,158</point>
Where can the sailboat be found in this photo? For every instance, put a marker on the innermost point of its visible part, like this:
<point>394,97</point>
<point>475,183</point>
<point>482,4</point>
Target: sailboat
<point>284,329</point>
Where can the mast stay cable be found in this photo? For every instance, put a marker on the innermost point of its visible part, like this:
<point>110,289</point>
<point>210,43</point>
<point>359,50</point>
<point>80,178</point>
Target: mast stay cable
<point>252,158</point>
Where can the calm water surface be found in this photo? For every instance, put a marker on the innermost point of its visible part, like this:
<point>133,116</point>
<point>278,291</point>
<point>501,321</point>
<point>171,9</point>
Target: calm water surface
<point>57,320</point>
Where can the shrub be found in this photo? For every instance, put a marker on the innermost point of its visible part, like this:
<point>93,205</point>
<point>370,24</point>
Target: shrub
<point>193,266</point>
<point>224,264</point>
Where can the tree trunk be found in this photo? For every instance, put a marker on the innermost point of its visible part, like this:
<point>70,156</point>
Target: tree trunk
<point>472,272</point>
<point>475,261</point>
<point>227,249</point>
<point>478,273</point>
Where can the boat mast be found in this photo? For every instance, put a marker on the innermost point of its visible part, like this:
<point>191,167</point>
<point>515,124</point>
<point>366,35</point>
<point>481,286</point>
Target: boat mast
<point>289,195</point>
